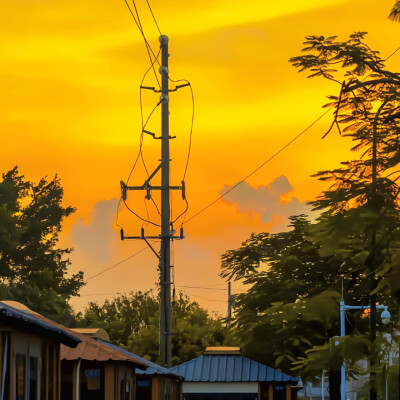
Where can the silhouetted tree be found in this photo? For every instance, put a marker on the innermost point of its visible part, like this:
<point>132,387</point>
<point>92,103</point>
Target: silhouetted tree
<point>33,270</point>
<point>132,321</point>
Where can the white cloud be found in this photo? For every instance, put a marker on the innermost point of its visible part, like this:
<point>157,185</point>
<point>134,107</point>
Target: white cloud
<point>93,235</point>
<point>266,200</point>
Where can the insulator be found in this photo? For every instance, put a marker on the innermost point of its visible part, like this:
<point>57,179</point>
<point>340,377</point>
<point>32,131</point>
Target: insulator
<point>123,190</point>
<point>142,233</point>
<point>122,234</point>
<point>183,190</point>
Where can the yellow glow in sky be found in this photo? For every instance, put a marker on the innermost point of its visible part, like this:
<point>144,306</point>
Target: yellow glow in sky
<point>69,104</point>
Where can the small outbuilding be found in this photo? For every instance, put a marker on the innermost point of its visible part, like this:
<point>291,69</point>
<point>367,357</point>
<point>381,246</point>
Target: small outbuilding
<point>97,370</point>
<point>222,373</point>
<point>30,353</point>
<point>156,382</point>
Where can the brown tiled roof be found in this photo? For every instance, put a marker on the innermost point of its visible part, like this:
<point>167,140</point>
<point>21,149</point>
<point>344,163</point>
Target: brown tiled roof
<point>17,315</point>
<point>91,349</point>
<point>87,349</point>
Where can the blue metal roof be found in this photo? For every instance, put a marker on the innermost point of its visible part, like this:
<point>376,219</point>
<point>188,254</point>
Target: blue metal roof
<point>229,368</point>
<point>37,324</point>
<point>154,368</point>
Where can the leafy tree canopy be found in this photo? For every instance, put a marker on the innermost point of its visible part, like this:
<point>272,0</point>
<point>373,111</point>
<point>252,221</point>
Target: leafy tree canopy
<point>292,303</point>
<point>33,270</point>
<point>132,321</point>
<point>360,210</point>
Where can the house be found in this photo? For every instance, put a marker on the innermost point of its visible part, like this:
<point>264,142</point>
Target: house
<point>156,382</point>
<point>222,373</point>
<point>97,370</point>
<point>30,353</point>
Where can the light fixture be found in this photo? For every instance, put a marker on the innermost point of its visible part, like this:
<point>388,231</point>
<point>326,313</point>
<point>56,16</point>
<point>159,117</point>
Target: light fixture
<point>385,317</point>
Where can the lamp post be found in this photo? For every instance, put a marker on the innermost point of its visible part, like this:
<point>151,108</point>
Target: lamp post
<point>385,317</point>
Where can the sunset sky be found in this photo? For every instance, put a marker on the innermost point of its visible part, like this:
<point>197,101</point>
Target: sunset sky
<point>70,72</point>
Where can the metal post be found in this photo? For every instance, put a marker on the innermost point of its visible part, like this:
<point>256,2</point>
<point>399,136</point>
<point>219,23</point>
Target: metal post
<point>343,368</point>
<point>165,274</point>
<point>229,302</point>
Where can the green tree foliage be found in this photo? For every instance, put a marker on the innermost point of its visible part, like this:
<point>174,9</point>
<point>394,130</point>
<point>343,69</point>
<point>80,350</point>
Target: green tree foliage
<point>33,270</point>
<point>360,210</point>
<point>395,12</point>
<point>291,303</point>
<point>122,316</point>
<point>132,321</point>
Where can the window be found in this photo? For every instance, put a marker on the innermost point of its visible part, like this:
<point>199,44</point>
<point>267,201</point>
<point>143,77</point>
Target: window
<point>5,363</point>
<point>125,390</point>
<point>20,362</point>
<point>33,378</point>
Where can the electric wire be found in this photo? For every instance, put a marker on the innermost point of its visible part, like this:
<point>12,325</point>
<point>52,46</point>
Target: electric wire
<point>259,167</point>
<point>141,136</point>
<point>116,265</point>
<point>138,216</point>
<point>273,156</point>
<point>205,298</point>
<point>199,287</point>
<point>237,184</point>
<point>154,18</point>
<point>134,165</point>
<point>148,47</point>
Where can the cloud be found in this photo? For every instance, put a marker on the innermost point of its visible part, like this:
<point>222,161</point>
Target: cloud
<point>268,201</point>
<point>93,235</point>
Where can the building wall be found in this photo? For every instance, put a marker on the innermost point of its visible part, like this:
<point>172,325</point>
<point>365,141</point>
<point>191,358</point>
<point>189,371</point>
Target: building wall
<point>32,366</point>
<point>220,387</point>
<point>98,380</point>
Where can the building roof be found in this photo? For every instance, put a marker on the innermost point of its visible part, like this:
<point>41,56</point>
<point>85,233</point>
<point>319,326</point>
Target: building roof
<point>74,345</point>
<point>153,368</point>
<point>98,350</point>
<point>19,316</point>
<point>96,333</point>
<point>229,368</point>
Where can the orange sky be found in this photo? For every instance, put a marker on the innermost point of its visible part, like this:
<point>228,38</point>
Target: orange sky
<point>69,101</point>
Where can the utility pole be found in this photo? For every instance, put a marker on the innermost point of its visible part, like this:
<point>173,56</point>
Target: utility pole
<point>165,252</point>
<point>229,302</point>
<point>373,391</point>
<point>167,234</point>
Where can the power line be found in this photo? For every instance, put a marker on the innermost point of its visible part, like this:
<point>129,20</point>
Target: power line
<point>148,47</point>
<point>272,157</point>
<point>206,298</point>
<point>200,287</point>
<point>154,18</point>
<point>259,167</point>
<point>116,265</point>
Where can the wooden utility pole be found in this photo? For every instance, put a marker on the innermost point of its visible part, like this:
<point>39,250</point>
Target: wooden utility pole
<point>229,302</point>
<point>164,256</point>
<point>165,252</point>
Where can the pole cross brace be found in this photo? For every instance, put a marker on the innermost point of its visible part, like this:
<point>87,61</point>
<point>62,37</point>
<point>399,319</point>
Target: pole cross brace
<point>150,187</point>
<point>157,137</point>
<point>160,91</point>
<point>144,237</point>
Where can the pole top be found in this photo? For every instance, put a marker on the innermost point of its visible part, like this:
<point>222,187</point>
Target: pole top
<point>163,39</point>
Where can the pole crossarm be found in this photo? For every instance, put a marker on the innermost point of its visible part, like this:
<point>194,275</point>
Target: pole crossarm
<point>169,90</point>
<point>145,187</point>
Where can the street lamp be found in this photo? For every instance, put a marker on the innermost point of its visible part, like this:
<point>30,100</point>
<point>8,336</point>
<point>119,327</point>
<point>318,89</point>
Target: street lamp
<point>385,317</point>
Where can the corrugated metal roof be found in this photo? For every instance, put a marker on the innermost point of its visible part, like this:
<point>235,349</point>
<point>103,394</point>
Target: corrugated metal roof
<point>153,369</point>
<point>229,368</point>
<point>37,324</point>
<point>96,350</point>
